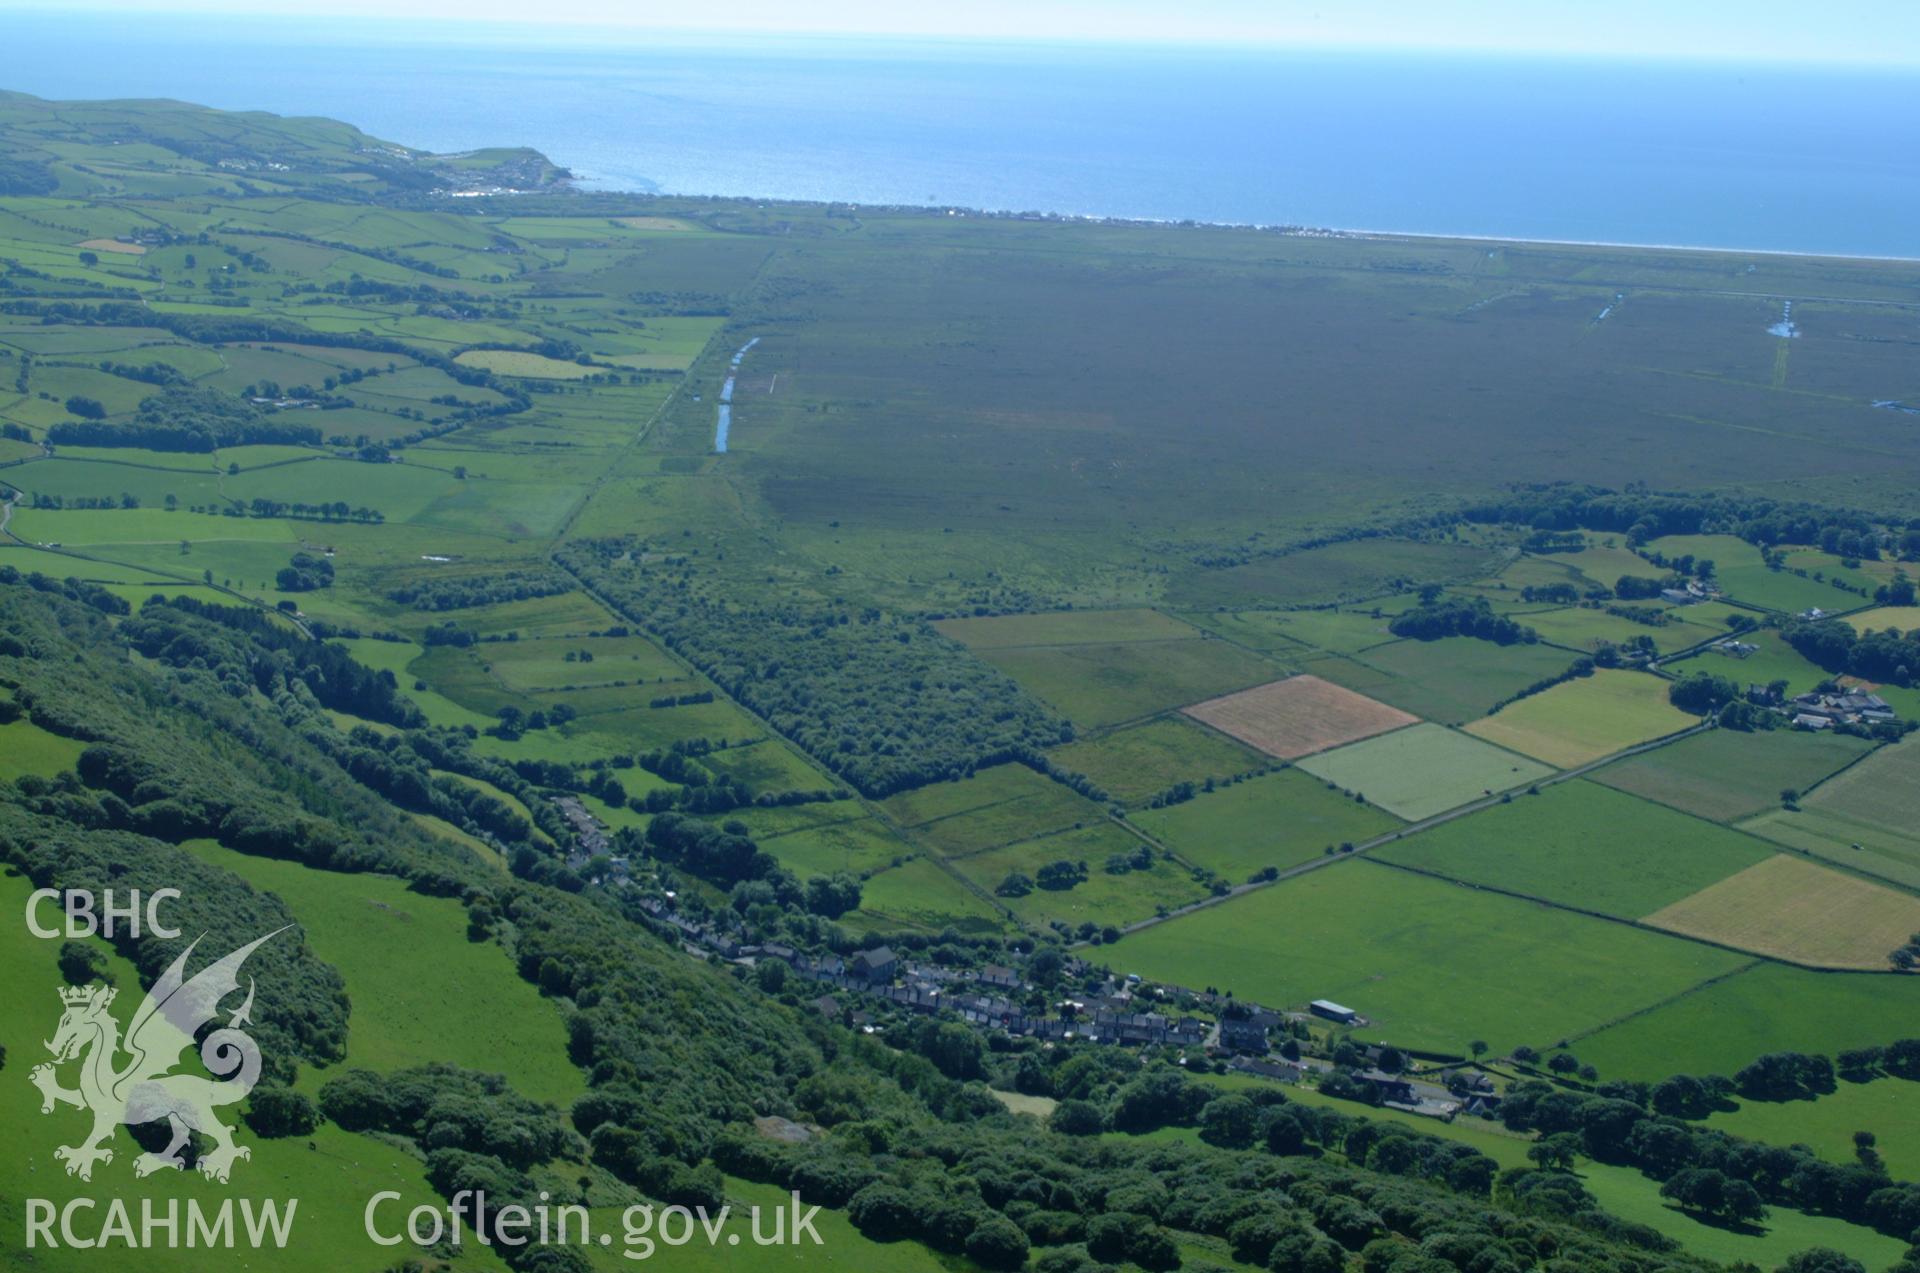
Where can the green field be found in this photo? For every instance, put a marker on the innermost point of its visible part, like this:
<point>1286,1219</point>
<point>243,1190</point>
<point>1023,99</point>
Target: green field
<point>997,806</point>
<point>1586,630</point>
<point>920,895</point>
<point>1887,1107</point>
<point>1582,720</point>
<point>1726,775</point>
<point>1451,681</point>
<point>1767,1007</point>
<point>144,526</point>
<point>543,664</point>
<point>1425,769</point>
<point>1775,660</point>
<point>1625,1192</point>
<point>514,362</point>
<point>1422,957</point>
<point>1140,761</point>
<point>1106,897</point>
<point>1583,846</point>
<point>1866,818</point>
<point>1287,632</point>
<point>1605,561</point>
<point>1096,685</point>
<point>1334,573</point>
<point>427,1013</point>
<point>565,614</point>
<point>1278,820</point>
<point>1743,576</point>
<point>857,845</point>
<point>25,748</point>
<point>768,766</point>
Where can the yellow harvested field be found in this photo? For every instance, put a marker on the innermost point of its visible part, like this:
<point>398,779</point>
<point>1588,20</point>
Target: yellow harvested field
<point>1792,909</point>
<point>1585,718</point>
<point>112,245</point>
<point>1298,716</point>
<point>1905,618</point>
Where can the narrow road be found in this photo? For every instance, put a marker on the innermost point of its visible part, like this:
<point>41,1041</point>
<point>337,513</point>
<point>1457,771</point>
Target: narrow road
<point>1565,775</point>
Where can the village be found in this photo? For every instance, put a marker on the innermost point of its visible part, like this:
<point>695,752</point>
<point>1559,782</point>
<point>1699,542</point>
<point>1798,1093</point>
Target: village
<point>1242,1037</point>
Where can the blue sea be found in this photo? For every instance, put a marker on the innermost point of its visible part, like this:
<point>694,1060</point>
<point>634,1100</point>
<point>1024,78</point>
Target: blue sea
<point>1765,157</point>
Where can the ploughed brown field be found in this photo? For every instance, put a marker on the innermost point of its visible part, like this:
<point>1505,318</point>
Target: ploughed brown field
<point>1298,716</point>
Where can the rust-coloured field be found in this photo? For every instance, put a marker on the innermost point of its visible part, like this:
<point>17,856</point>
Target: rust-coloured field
<point>1298,716</point>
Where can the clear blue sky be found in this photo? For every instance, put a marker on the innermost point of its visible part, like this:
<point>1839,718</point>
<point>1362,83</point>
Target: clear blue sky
<point>1883,31</point>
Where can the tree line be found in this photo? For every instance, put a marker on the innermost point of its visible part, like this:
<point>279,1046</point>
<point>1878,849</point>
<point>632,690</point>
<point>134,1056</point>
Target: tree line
<point>466,592</point>
<point>184,418</point>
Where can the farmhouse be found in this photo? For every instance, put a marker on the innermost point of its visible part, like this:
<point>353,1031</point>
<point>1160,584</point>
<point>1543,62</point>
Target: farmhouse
<point>1480,1106</point>
<point>1392,1087</point>
<point>1241,1034</point>
<point>878,964</point>
<point>1278,1071</point>
<point>1333,1011</point>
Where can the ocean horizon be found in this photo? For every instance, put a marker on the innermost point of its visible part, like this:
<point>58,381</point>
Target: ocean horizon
<point>1754,157</point>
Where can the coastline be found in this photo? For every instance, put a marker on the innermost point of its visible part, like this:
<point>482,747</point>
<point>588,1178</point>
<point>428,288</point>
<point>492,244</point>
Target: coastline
<point>1197,223</point>
<point>1802,255</point>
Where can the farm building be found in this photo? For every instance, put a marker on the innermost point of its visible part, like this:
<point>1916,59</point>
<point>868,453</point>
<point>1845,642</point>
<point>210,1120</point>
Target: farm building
<point>1848,706</point>
<point>1333,1011</point>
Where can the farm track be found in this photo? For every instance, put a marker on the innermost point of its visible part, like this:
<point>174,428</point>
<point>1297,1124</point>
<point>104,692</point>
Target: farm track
<point>1438,819</point>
